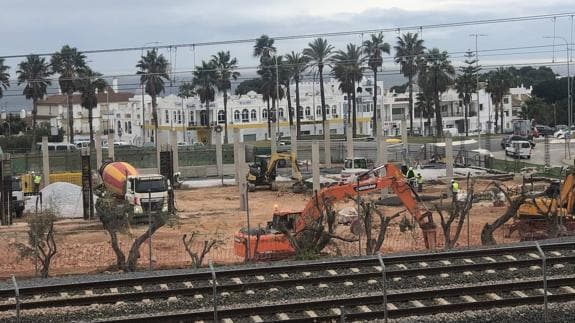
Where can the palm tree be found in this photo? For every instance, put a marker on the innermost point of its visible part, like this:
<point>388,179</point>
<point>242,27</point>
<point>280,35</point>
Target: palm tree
<point>34,72</point>
<point>408,51</point>
<point>89,83</point>
<point>440,73</point>
<point>466,84</point>
<point>298,64</point>
<point>264,49</point>
<point>498,84</point>
<point>374,48</point>
<point>4,77</point>
<point>347,70</point>
<point>424,104</point>
<point>205,83</point>
<point>153,71</point>
<point>69,63</point>
<point>225,72</point>
<point>318,53</point>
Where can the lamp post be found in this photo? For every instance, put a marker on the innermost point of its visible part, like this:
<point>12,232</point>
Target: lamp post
<point>477,80</point>
<point>569,103</point>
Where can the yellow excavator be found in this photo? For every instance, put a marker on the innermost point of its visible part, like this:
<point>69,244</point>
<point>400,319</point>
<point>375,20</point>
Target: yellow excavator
<point>532,218</point>
<point>263,171</point>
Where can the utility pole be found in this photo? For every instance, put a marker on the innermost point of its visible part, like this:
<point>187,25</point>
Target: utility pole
<point>569,100</point>
<point>477,80</point>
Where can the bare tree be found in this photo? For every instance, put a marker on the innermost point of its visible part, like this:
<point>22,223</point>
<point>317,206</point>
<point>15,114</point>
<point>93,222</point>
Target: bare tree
<point>198,257</point>
<point>41,245</point>
<point>367,211</point>
<point>317,233</point>
<point>456,211</point>
<point>514,202</point>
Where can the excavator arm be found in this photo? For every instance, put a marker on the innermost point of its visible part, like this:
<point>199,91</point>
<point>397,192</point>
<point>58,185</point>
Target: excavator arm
<point>394,179</point>
<point>288,156</point>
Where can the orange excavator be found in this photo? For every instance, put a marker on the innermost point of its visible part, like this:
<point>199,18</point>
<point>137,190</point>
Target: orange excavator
<point>272,243</point>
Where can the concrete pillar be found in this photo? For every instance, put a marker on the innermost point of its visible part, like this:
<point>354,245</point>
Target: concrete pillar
<point>448,155</point>
<point>98,147</point>
<point>242,180</point>
<point>236,153</point>
<point>404,143</point>
<point>45,161</point>
<point>349,141</point>
<point>327,145</point>
<point>315,165</point>
<point>293,134</point>
<point>175,153</point>
<point>219,164</point>
<point>382,158</point>
<point>273,138</point>
<point>158,150</point>
<point>111,146</point>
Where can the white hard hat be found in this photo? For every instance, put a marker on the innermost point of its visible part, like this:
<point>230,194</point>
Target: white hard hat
<point>453,181</point>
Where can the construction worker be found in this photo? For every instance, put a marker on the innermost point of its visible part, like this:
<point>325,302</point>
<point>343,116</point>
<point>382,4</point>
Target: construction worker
<point>419,180</point>
<point>37,180</point>
<point>454,189</point>
<point>411,177</point>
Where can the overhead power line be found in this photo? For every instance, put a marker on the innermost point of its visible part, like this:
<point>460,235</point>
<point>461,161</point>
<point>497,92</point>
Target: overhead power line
<point>315,35</point>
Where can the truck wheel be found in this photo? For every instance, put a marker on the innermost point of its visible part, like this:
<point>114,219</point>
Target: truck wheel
<point>274,186</point>
<point>298,187</point>
<point>251,187</point>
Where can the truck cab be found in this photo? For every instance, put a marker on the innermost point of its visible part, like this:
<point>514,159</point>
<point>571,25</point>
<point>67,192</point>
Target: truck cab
<point>147,193</point>
<point>352,167</point>
<point>519,149</point>
<point>17,203</point>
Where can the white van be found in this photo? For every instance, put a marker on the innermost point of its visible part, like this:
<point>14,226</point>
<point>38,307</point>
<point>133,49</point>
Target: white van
<point>58,146</point>
<point>519,149</point>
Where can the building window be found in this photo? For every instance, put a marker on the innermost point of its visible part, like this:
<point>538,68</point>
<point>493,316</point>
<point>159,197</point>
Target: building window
<point>281,112</point>
<point>167,117</point>
<point>254,115</point>
<point>245,115</point>
<point>221,116</point>
<point>318,110</point>
<point>265,114</point>
<point>334,109</point>
<point>327,111</point>
<point>119,127</point>
<point>179,117</point>
<point>237,115</point>
<point>174,117</point>
<point>129,127</point>
<point>191,117</point>
<point>481,107</point>
<point>307,111</point>
<point>505,100</point>
<point>300,109</point>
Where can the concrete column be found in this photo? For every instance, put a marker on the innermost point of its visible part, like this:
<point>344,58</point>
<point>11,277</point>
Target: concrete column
<point>175,153</point>
<point>111,146</point>
<point>404,143</point>
<point>158,150</point>
<point>242,180</point>
<point>327,145</point>
<point>349,141</point>
<point>273,138</point>
<point>236,153</point>
<point>219,165</point>
<point>293,131</point>
<point>98,147</point>
<point>448,155</point>
<point>382,158</point>
<point>45,161</point>
<point>315,165</point>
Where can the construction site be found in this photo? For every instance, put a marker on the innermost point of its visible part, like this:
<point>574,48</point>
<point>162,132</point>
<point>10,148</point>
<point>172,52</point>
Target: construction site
<point>421,214</point>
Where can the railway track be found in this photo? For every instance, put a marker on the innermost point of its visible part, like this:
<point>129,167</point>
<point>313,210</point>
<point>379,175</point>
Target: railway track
<point>304,280</point>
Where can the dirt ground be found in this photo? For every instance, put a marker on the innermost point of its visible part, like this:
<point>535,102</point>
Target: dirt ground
<point>83,246</point>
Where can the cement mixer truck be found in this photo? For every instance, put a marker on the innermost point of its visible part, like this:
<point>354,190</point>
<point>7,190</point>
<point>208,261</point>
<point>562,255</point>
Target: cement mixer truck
<point>142,193</point>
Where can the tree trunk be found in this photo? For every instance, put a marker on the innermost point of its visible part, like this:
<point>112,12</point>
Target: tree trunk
<point>438,121</point>
<point>34,115</point>
<point>354,113</point>
<point>225,117</point>
<point>501,114</point>
<point>290,112</point>
<point>322,96</point>
<point>496,116</point>
<point>410,80</point>
<point>269,119</point>
<point>466,109</point>
<point>298,113</point>
<point>374,117</point>
<point>120,257</point>
<point>428,115</point>
<point>134,254</point>
<point>348,109</point>
<point>70,117</point>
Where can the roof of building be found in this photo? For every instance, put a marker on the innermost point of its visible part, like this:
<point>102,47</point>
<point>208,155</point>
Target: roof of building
<point>111,96</point>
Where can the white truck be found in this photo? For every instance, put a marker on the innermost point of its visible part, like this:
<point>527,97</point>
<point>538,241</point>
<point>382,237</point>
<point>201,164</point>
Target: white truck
<point>353,167</point>
<point>519,149</point>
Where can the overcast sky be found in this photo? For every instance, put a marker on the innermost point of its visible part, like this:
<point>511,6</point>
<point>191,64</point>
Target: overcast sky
<point>39,26</point>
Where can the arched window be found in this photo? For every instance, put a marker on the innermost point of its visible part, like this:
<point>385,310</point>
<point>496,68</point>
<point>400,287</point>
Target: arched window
<point>265,114</point>
<point>167,117</point>
<point>254,115</point>
<point>203,118</point>
<point>307,111</point>
<point>191,117</point>
<point>174,119</point>
<point>318,110</point>
<point>119,126</point>
<point>273,115</point>
<point>292,110</point>
<point>334,109</point>
<point>221,116</point>
<point>281,112</point>
<point>179,117</point>
<point>129,127</point>
<point>300,109</point>
<point>327,109</point>
<point>237,115</point>
<point>245,115</point>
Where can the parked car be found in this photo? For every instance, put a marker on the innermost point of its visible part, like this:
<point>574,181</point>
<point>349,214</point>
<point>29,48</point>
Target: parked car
<point>519,149</point>
<point>561,132</point>
<point>506,140</point>
<point>544,130</point>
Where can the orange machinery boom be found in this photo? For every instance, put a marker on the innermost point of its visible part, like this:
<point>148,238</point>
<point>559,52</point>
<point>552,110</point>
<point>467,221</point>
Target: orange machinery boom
<point>273,242</point>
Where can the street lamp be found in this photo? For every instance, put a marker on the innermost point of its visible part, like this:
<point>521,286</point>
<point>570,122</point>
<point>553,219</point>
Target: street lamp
<point>569,103</point>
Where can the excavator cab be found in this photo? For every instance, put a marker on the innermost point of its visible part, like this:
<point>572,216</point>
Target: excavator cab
<point>263,171</point>
<point>283,220</point>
